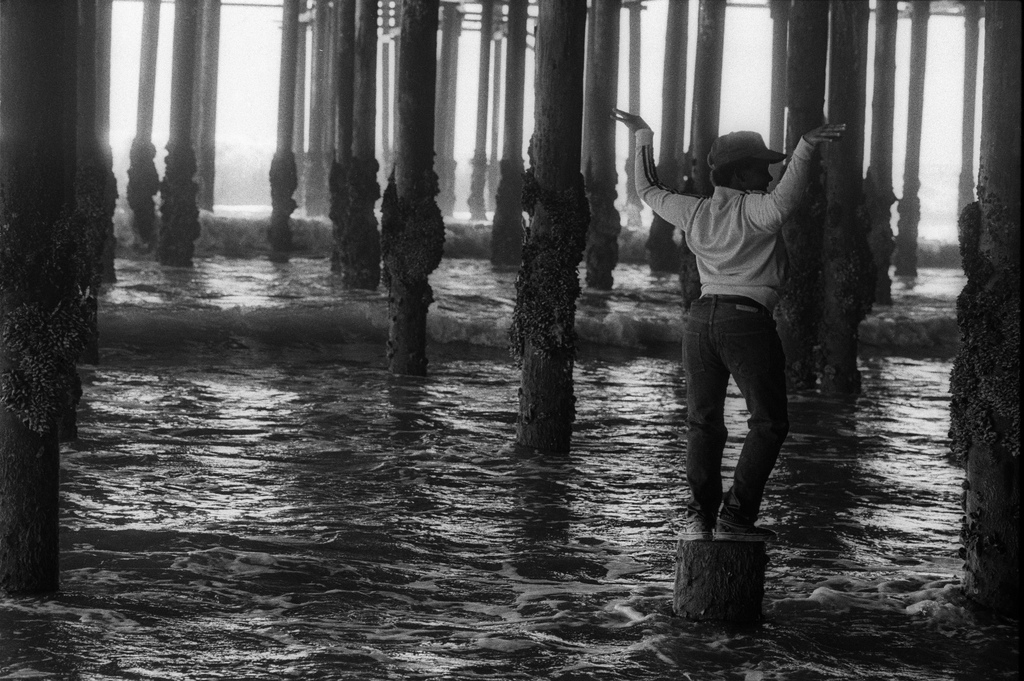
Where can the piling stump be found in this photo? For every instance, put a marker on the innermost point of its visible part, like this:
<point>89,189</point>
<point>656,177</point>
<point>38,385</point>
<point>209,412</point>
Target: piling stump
<point>719,580</point>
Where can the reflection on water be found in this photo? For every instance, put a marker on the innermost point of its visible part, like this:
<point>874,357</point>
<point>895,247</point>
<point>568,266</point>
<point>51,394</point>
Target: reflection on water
<point>265,509</point>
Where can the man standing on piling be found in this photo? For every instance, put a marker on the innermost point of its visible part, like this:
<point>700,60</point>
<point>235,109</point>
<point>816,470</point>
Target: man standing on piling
<point>736,235</point>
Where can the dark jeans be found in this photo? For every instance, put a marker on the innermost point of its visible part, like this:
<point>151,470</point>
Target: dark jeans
<point>722,339</point>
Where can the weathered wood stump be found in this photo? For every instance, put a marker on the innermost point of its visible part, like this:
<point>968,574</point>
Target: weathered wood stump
<point>719,580</point>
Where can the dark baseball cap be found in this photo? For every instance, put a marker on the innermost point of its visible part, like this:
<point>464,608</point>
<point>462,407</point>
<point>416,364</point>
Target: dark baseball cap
<point>738,146</point>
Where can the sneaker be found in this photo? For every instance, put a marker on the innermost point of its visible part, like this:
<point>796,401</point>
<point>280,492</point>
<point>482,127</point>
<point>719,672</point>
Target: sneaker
<point>697,529</point>
<point>732,530</point>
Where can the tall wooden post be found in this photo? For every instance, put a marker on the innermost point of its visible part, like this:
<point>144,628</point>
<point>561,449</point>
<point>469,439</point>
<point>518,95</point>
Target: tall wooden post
<point>799,311</point>
<point>318,159</point>
<point>179,225</point>
<point>206,102</point>
<point>985,410</point>
<point>104,29</point>
<point>662,252</point>
<point>143,180</point>
<point>344,108</point>
<point>42,263</point>
<point>444,121</point>
<point>357,243</point>
<point>633,205</point>
<point>385,84</point>
<point>972,10</point>
<point>283,177</point>
<point>507,234</point>
<point>910,204</point>
<point>493,165</point>
<point>779,10</point>
<point>477,203</point>
<point>878,184</point>
<point>707,101</point>
<point>847,268</point>
<point>543,323</point>
<point>599,175</point>
<point>299,131</point>
<point>412,230</point>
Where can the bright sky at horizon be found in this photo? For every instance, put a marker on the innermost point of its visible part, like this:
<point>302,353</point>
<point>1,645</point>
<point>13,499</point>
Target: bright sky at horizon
<point>248,84</point>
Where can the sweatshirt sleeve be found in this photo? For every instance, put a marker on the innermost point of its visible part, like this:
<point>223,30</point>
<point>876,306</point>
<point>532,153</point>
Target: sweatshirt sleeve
<point>673,207</point>
<point>770,211</point>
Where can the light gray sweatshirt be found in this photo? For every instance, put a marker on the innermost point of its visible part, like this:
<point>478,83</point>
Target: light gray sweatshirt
<point>735,235</point>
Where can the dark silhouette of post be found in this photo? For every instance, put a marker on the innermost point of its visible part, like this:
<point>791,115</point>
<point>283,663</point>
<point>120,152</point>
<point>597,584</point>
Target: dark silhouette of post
<point>493,164</point>
<point>344,109</point>
<point>848,280</point>
<point>143,180</point>
<point>357,245</point>
<point>798,313</point>
<point>707,101</point>
<point>972,10</point>
<point>412,230</point>
<point>444,115</point>
<point>779,10</point>
<point>910,204</point>
<point>108,248</point>
<point>283,178</point>
<point>633,205</point>
<point>507,234</point>
<point>321,137</point>
<point>673,167</point>
<point>179,224</point>
<point>543,323</point>
<point>878,190</point>
<point>985,409</point>
<point>206,102</point>
<point>477,203</point>
<point>599,174</point>
<point>45,265</point>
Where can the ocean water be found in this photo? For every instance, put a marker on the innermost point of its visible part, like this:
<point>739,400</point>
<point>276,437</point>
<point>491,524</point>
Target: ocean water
<point>253,496</point>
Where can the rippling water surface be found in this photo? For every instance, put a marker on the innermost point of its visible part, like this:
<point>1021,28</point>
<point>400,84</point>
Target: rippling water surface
<point>254,497</point>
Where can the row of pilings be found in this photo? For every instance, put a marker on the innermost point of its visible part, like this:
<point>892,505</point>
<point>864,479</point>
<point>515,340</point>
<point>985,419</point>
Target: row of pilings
<point>54,178</point>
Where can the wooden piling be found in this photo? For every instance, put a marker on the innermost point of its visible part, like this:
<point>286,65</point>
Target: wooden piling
<point>477,203</point>
<point>447,91</point>
<point>985,383</point>
<point>543,322</point>
<point>847,269</point>
<point>601,93</point>
<point>44,266</point>
<point>878,192</point>
<point>317,191</point>
<point>507,233</point>
<point>412,229</point>
<point>179,224</point>
<point>972,11</point>
<point>206,101</point>
<point>143,180</point>
<point>910,203</point>
<point>662,251</point>
<point>283,176</point>
<point>719,580</point>
<point>799,311</point>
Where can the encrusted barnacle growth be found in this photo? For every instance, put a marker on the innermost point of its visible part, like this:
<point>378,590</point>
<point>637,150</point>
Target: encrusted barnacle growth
<point>548,282</point>
<point>179,224</point>
<point>45,278</point>
<point>412,244</point>
<point>284,180</point>
<point>143,184</point>
<point>985,407</point>
<point>356,254</point>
